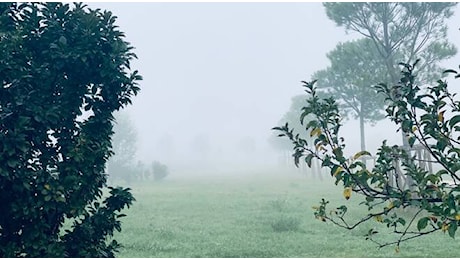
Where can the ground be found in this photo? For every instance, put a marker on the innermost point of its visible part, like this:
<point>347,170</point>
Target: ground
<point>261,214</point>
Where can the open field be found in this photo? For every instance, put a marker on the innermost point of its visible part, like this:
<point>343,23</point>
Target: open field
<point>262,215</point>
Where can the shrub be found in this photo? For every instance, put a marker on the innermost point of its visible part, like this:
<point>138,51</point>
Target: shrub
<point>279,205</point>
<point>286,223</point>
<point>64,69</point>
<point>160,171</point>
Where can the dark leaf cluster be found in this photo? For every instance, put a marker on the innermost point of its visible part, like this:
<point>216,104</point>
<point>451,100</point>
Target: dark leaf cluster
<point>64,70</point>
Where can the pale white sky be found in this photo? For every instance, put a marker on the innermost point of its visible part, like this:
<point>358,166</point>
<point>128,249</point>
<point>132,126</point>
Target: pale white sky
<point>225,71</point>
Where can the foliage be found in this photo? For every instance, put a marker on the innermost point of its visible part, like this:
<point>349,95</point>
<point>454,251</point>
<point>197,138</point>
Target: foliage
<point>348,77</point>
<point>65,69</point>
<point>430,120</point>
<point>392,32</point>
<point>347,80</point>
<point>291,116</point>
<point>122,164</point>
<point>160,171</point>
<point>141,171</point>
<point>400,31</point>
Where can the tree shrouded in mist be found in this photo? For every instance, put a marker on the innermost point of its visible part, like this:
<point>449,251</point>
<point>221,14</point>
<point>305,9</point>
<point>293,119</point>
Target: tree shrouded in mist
<point>65,69</point>
<point>292,118</point>
<point>122,164</point>
<point>399,32</point>
<point>354,65</point>
<point>201,145</point>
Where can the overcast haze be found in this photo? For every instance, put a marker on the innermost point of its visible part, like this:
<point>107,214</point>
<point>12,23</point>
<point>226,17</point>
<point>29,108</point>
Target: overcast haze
<point>225,73</point>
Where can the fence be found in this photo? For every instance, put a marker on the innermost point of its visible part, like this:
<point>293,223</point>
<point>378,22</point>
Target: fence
<point>400,180</point>
<point>397,178</point>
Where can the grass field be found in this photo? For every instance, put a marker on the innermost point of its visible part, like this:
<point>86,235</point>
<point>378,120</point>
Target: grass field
<point>257,215</point>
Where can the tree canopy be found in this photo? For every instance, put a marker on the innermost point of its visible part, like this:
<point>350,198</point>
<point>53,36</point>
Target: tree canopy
<point>292,118</point>
<point>401,32</point>
<point>354,65</point>
<point>65,69</point>
<point>393,32</point>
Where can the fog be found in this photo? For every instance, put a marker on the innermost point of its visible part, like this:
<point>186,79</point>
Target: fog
<point>219,76</point>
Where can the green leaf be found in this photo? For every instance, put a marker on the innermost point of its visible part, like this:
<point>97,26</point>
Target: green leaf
<point>452,229</point>
<point>22,147</point>
<point>422,223</point>
<point>26,185</point>
<point>411,140</point>
<point>11,163</point>
<point>308,159</point>
<point>432,178</point>
<point>406,125</point>
<point>454,120</point>
<point>62,40</point>
<point>343,208</point>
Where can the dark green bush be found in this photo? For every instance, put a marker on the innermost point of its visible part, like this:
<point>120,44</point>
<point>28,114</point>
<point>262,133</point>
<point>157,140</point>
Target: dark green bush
<point>160,171</point>
<point>65,69</point>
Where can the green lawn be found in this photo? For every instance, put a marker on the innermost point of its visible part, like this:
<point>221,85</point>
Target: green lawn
<point>247,217</point>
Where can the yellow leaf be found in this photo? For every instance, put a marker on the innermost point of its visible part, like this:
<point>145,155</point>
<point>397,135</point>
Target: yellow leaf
<point>321,218</point>
<point>444,227</point>
<point>414,128</point>
<point>47,186</point>
<point>315,132</point>
<point>319,146</point>
<point>397,249</point>
<point>457,217</point>
<point>359,154</point>
<point>347,193</point>
<point>390,206</point>
<point>379,218</point>
<point>339,169</point>
<point>315,207</point>
<point>441,116</point>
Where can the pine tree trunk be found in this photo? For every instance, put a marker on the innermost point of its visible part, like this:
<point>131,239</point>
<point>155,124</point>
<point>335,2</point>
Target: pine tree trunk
<point>361,128</point>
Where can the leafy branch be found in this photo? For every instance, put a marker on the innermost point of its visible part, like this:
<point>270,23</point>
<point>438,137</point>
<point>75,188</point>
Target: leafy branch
<point>399,180</point>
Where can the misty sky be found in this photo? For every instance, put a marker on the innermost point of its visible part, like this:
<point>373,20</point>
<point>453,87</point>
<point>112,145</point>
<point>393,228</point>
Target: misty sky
<point>224,72</point>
